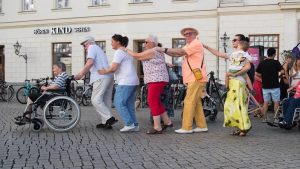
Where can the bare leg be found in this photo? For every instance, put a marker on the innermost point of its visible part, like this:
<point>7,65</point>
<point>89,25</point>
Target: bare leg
<point>156,120</point>
<point>166,119</point>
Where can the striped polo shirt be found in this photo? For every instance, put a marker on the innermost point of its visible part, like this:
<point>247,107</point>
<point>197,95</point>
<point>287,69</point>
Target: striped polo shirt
<point>60,80</point>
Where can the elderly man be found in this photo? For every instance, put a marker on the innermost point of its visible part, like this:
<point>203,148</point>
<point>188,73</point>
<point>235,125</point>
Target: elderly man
<point>193,59</point>
<point>102,84</point>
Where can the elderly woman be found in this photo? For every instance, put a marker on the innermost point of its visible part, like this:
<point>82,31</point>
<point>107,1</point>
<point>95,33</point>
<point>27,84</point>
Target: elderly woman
<point>59,82</point>
<point>127,80</point>
<point>156,76</point>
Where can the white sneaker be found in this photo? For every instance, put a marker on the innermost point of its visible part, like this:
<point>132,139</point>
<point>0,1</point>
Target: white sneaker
<point>127,128</point>
<point>136,128</point>
<point>181,131</point>
<point>198,130</point>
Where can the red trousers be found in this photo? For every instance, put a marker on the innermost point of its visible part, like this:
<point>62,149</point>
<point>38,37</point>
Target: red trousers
<point>155,89</point>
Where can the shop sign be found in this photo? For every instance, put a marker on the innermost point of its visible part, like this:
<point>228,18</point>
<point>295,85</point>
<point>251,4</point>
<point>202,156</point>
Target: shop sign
<point>61,30</point>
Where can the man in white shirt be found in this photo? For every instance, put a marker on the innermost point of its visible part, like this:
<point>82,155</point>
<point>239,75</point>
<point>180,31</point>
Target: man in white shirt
<point>102,84</point>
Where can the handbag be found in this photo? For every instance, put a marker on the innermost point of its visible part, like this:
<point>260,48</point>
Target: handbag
<point>197,72</point>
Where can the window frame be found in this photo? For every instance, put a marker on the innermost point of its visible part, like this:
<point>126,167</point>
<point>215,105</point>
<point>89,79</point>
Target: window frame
<point>53,54</point>
<point>65,7</point>
<point>1,6</point>
<point>262,36</point>
<point>101,4</point>
<point>173,46</point>
<point>28,10</point>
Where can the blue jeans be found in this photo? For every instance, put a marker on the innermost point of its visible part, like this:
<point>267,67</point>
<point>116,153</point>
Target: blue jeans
<point>288,106</point>
<point>124,103</point>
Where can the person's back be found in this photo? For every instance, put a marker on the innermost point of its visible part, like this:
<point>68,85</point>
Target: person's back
<point>100,62</point>
<point>269,69</point>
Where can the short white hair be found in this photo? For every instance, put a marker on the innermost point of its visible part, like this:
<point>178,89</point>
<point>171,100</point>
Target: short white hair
<point>153,39</point>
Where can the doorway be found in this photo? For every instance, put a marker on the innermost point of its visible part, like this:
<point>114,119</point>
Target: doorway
<point>2,63</point>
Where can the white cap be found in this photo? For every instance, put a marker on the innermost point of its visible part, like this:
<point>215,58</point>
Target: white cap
<point>88,39</point>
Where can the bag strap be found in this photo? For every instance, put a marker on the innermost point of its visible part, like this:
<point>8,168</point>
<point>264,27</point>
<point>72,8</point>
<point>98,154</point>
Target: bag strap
<point>298,44</point>
<point>187,59</point>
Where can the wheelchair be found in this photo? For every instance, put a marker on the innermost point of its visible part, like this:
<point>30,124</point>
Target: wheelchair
<point>60,112</point>
<point>278,117</point>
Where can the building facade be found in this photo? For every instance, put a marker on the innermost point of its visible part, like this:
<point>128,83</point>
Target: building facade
<point>51,30</point>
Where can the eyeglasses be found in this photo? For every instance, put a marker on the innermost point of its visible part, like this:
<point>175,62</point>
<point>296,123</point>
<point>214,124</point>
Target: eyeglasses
<point>188,34</point>
<point>234,40</point>
<point>146,42</point>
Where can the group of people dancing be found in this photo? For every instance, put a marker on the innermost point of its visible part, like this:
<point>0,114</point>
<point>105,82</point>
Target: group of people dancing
<point>156,77</point>
<point>123,72</point>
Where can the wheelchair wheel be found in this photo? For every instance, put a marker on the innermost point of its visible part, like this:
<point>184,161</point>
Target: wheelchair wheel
<point>61,113</point>
<point>37,124</point>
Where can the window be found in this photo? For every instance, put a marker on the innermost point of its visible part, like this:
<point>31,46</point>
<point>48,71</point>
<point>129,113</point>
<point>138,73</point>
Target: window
<point>62,4</point>
<point>28,5</point>
<point>177,61</point>
<point>178,43</point>
<point>267,41</point>
<point>62,52</point>
<point>102,45</point>
<point>140,1</point>
<point>99,2</point>
<point>0,6</point>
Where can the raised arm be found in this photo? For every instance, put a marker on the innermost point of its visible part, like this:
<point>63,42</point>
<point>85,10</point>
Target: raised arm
<point>171,51</point>
<point>216,52</point>
<point>145,55</point>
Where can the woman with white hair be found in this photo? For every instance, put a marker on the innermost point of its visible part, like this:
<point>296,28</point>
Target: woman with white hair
<point>156,76</point>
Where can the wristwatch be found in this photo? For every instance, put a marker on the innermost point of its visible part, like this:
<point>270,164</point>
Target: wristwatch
<point>166,50</point>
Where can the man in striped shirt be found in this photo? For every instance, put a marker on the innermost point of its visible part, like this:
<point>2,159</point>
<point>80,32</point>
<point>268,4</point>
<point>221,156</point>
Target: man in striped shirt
<point>58,83</point>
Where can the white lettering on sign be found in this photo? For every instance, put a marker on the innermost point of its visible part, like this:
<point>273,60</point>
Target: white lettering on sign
<point>61,30</point>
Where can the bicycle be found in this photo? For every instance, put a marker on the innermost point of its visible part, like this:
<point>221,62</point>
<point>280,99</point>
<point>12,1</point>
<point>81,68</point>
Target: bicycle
<point>6,91</point>
<point>84,94</point>
<point>216,91</point>
<point>23,92</point>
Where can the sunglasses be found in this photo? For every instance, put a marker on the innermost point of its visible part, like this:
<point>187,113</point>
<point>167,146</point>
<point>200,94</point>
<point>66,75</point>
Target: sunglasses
<point>234,40</point>
<point>146,42</point>
<point>188,33</point>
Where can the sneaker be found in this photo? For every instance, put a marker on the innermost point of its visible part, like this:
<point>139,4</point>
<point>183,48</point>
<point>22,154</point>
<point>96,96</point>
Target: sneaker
<point>198,130</point>
<point>127,128</point>
<point>136,128</point>
<point>181,131</point>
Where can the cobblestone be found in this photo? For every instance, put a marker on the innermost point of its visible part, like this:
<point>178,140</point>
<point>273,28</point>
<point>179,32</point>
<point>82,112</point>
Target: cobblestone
<point>86,147</point>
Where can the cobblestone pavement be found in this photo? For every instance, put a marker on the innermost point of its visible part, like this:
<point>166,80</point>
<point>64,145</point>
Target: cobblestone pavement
<point>87,147</point>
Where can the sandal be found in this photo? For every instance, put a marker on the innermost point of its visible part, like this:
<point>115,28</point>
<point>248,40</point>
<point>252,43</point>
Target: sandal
<point>154,131</point>
<point>236,133</point>
<point>242,133</point>
<point>164,127</point>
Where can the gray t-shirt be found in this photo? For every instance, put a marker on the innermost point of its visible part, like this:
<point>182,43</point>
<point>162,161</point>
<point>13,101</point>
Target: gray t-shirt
<point>126,73</point>
<point>100,62</point>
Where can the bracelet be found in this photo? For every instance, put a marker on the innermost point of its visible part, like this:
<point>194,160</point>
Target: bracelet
<point>166,50</point>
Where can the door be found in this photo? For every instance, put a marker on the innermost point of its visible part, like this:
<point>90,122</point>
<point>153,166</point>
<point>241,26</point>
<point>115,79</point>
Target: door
<point>2,61</point>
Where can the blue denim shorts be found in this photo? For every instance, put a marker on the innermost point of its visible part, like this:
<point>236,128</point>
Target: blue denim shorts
<point>273,94</point>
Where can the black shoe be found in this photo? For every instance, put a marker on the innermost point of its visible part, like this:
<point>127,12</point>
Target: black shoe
<point>282,124</point>
<point>23,121</point>
<point>111,121</point>
<point>103,126</point>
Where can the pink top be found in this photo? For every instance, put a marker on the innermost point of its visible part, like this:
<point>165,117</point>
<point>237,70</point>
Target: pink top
<point>297,94</point>
<point>195,54</point>
<point>155,69</point>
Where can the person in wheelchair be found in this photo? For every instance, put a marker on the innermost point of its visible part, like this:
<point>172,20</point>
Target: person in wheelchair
<point>288,107</point>
<point>56,86</point>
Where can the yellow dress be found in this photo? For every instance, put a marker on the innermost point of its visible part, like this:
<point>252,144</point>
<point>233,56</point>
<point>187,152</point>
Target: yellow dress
<point>235,107</point>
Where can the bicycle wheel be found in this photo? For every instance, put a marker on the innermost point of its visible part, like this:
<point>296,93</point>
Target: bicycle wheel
<point>7,93</point>
<point>86,99</point>
<point>79,94</point>
<point>62,113</point>
<point>22,95</point>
